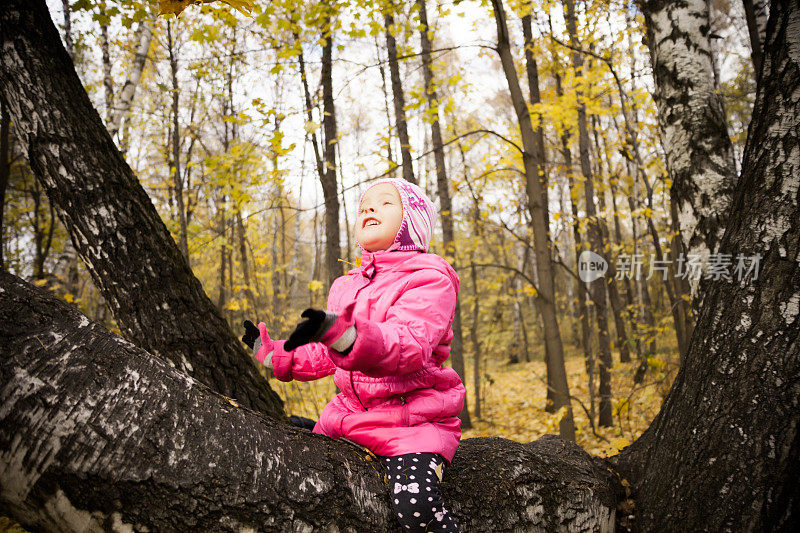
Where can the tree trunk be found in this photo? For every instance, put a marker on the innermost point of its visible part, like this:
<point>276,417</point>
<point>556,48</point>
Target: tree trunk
<point>248,286</point>
<point>222,232</point>
<point>756,14</point>
<point>677,289</point>
<point>108,80</point>
<point>729,425</point>
<point>646,320</point>
<point>309,107</point>
<point>5,169</point>
<point>613,291</point>
<point>156,435</point>
<point>598,290</point>
<point>629,299</point>
<point>399,101</point>
<point>124,100</point>
<point>133,260</point>
<point>532,71</point>
<point>699,153</point>
<point>329,189</point>
<point>583,294</point>
<point>536,197</point>
<point>68,30</point>
<point>446,209</point>
<point>177,178</point>
<point>387,109</point>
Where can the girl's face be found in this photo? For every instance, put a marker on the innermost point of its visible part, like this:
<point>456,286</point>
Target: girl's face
<point>379,217</point>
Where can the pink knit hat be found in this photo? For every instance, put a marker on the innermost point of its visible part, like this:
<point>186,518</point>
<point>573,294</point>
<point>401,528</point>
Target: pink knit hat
<point>419,216</point>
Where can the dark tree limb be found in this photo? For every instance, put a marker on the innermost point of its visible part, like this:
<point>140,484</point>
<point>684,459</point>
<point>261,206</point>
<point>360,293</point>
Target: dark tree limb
<point>94,429</point>
<point>134,261</point>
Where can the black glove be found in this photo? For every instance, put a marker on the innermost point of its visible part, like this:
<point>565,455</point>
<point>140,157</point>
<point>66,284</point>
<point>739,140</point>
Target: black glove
<point>251,333</point>
<point>309,330</point>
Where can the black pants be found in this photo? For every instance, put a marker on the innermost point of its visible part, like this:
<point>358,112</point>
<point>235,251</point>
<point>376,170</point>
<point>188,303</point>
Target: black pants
<point>416,493</point>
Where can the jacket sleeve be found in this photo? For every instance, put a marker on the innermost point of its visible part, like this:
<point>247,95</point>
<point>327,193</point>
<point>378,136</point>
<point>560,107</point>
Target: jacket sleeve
<point>307,362</point>
<point>414,325</point>
<point>304,363</point>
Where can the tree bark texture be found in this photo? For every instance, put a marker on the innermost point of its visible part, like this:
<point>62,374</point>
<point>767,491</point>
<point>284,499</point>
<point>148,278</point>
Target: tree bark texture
<point>699,154</point>
<point>536,198</point>
<point>96,434</point>
<point>133,260</point>
<point>399,101</point>
<point>329,189</point>
<point>729,425</point>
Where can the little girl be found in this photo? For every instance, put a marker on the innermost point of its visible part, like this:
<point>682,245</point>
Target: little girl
<point>385,334</point>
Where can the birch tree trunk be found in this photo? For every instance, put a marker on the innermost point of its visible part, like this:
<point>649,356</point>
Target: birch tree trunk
<point>124,99</point>
<point>729,425</point>
<point>133,260</point>
<point>699,154</point>
<point>108,81</point>
<point>536,198</point>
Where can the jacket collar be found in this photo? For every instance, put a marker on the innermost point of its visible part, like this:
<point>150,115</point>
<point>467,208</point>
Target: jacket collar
<point>372,262</point>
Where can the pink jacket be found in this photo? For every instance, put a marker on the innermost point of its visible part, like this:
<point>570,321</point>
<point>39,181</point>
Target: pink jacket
<point>396,396</point>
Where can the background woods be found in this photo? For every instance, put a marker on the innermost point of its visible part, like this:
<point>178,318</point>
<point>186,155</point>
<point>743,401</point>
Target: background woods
<point>219,178</point>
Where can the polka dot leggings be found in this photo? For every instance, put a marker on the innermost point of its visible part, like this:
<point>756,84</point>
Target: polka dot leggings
<point>416,493</point>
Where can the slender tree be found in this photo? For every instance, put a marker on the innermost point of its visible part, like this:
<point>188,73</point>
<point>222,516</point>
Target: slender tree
<point>125,96</point>
<point>598,290</point>
<point>175,162</point>
<point>5,169</point>
<point>536,199</point>
<point>399,99</point>
<point>329,188</point>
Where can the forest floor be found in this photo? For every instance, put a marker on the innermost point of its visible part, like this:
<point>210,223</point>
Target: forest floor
<point>513,398</point>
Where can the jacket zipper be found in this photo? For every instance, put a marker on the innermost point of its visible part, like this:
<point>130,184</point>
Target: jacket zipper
<point>353,386</point>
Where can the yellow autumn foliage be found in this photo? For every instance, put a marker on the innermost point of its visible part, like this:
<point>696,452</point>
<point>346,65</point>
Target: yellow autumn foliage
<point>175,7</point>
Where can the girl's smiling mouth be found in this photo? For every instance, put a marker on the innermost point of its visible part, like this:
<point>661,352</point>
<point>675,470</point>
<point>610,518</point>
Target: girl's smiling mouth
<point>370,221</point>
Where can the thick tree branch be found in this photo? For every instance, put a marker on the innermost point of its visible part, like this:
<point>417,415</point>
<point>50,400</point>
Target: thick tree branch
<point>131,255</point>
<point>94,430</point>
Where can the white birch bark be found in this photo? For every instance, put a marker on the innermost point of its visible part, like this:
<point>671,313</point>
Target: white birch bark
<point>699,154</point>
